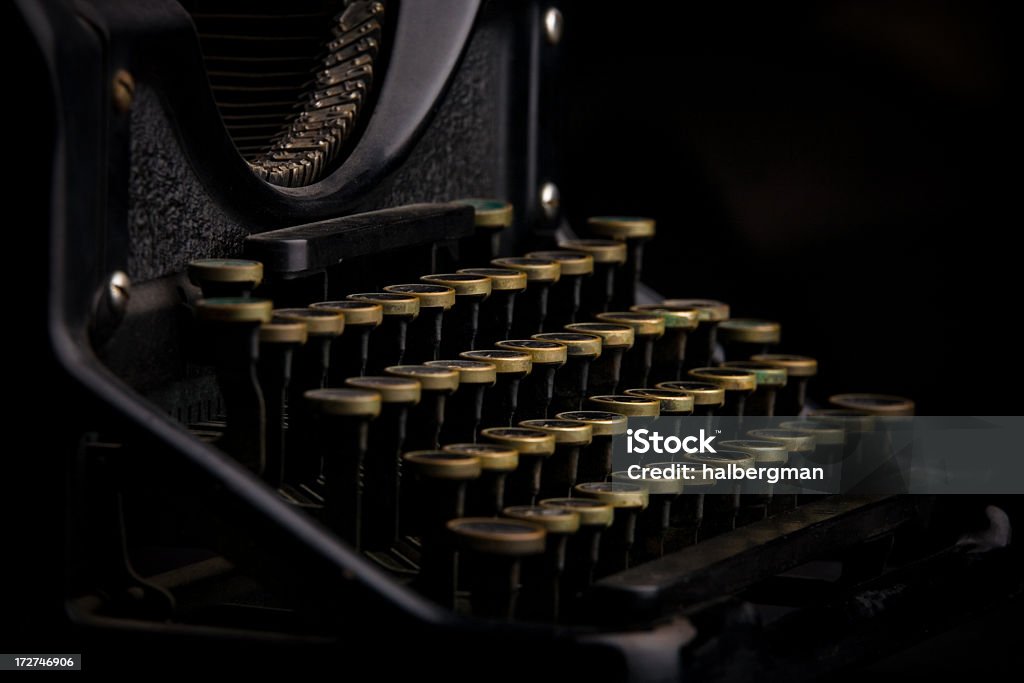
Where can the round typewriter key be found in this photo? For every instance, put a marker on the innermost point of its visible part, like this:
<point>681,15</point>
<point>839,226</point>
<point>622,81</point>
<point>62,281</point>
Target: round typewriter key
<point>278,341</point>
<point>771,379</point>
<point>628,500</point>
<point>501,400</point>
<point>497,312</point>
<point>350,352</point>
<point>634,231</point>
<point>703,340</point>
<point>655,521</point>
<point>606,370</point>
<point>829,446</point>
<point>342,422</point>
<point>532,305</point>
<point>707,397</point>
<point>744,337</point>
<point>630,406</point>
<point>722,500</point>
<point>425,331</point>
<point>647,329</point>
<point>583,548</point>
<point>486,496</point>
<point>799,370</point>
<point>670,350</point>
<point>225,277</point>
<point>572,378</point>
<point>596,458</point>
<point>674,402</point>
<point>559,472</point>
<point>427,417</point>
<point>534,447</point>
<point>389,341</point>
<point>230,327</point>
<point>491,217</point>
<point>756,506</point>
<point>464,409</point>
<point>802,446</point>
<point>566,294</point>
<point>462,322</point>
<point>383,469</point>
<point>439,492</point>
<point>881,405</point>
<point>738,385</point>
<point>493,549</point>
<point>542,575</point>
<point>599,288</point>
<point>795,441</point>
<point>537,389</point>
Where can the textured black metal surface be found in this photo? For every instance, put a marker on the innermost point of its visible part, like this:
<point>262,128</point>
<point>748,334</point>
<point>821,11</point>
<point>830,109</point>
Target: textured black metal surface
<point>175,218</point>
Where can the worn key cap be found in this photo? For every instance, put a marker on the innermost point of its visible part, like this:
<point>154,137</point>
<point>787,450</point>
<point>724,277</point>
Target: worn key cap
<point>606,371</point>
<point>572,379</point>
<point>462,322</point>
<point>497,312</point>
<point>465,408</point>
<point>350,352</point>
<point>424,340</point>
<point>537,389</point>
<point>231,327</point>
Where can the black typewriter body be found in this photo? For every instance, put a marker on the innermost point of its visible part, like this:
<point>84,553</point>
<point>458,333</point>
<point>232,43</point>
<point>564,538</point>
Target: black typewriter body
<point>814,192</point>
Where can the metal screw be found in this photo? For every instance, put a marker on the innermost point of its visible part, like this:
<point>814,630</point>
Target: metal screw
<point>553,25</point>
<point>123,90</point>
<point>550,199</point>
<point>118,293</point>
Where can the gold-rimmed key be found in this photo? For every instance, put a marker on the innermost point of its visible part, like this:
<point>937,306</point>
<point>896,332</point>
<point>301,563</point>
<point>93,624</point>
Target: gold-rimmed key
<point>462,322</point>
<point>648,328</point>
<point>492,550</point>
<point>383,469</point>
<point>350,353</point>
<point>310,367</point>
<point>572,378</point>
<point>230,327</point>
<point>634,231</point>
<point>542,574</point>
<point>537,389</point>
<point>596,458</point>
<point>559,472</point>
<point>502,399</point>
<point>486,495</point>
<point>669,360</point>
<point>465,408</point>
<point>599,288</point>
<point>225,277</point>
<point>565,296</point>
<point>532,304</point>
<point>341,423</point>
<point>278,341</point>
<point>439,480</point>
<point>498,311</point>
<point>799,370</point>
<point>702,341</point>
<point>628,500</point>
<point>426,418</point>
<point>389,341</point>
<point>606,370</point>
<point>534,447</point>
<point>425,332</point>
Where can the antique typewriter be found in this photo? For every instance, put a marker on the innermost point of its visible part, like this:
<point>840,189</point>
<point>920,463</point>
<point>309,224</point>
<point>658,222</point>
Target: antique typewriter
<point>343,323</point>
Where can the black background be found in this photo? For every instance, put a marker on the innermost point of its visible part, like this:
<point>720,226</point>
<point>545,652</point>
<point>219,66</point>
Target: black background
<point>842,167</point>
